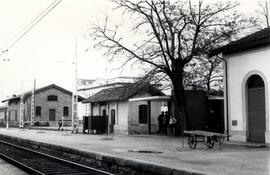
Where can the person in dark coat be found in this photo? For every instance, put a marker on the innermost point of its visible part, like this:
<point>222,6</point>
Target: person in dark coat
<point>166,121</point>
<point>160,123</point>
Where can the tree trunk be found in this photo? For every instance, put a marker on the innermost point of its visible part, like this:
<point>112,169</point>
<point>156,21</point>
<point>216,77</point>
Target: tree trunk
<point>208,86</point>
<point>180,103</point>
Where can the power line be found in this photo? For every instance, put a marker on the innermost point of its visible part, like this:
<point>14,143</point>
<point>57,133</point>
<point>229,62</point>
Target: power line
<point>28,25</point>
<point>32,24</point>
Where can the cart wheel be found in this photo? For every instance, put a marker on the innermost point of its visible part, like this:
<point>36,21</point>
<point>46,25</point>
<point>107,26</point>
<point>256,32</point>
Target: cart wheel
<point>192,142</point>
<point>221,140</point>
<point>210,142</point>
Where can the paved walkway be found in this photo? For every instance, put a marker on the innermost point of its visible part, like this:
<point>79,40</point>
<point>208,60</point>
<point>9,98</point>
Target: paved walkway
<point>8,169</point>
<point>166,151</point>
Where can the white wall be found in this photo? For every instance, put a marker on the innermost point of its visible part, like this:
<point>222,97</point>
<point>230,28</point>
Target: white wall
<point>240,67</point>
<point>121,116</point>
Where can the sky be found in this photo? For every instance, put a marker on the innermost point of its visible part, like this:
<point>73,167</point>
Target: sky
<point>47,52</point>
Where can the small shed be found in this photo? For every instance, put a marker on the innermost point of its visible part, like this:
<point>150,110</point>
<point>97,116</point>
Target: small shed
<point>132,108</point>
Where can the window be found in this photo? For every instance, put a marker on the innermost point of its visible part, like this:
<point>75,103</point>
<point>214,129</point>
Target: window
<point>65,111</point>
<point>164,103</point>
<point>52,98</point>
<point>38,110</point>
<point>104,112</point>
<point>16,115</point>
<point>143,114</point>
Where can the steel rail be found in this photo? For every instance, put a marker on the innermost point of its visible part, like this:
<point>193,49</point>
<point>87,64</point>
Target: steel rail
<point>31,170</point>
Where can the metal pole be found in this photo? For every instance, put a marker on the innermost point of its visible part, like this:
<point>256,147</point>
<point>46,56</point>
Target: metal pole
<point>21,112</point>
<point>75,99</point>
<point>7,118</point>
<point>21,107</point>
<point>62,123</point>
<point>226,97</point>
<point>33,104</point>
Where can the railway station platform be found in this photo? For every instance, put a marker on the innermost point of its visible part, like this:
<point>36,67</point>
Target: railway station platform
<point>157,151</point>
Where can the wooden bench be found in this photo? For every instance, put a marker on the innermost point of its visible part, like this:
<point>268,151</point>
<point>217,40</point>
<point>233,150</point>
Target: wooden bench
<point>208,138</point>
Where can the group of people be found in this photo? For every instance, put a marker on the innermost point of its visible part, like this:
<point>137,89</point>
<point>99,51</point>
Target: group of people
<point>166,120</point>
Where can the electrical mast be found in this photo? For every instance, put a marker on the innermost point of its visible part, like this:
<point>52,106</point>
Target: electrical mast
<point>75,122</point>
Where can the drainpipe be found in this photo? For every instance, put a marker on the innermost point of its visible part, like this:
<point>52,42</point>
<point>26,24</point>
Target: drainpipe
<point>226,97</point>
<point>149,117</point>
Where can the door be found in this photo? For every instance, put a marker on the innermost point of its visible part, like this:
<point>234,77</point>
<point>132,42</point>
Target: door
<point>52,114</point>
<point>112,120</point>
<point>256,109</point>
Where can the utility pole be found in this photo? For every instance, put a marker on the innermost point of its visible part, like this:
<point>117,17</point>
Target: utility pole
<point>21,107</point>
<point>75,96</point>
<point>33,104</point>
<point>7,113</point>
<point>7,116</point>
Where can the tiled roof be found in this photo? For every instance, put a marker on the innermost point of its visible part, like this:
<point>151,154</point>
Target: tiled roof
<point>256,39</point>
<point>29,93</point>
<point>122,93</point>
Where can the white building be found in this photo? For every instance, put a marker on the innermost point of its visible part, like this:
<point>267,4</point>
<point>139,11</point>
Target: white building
<point>131,109</point>
<point>247,77</point>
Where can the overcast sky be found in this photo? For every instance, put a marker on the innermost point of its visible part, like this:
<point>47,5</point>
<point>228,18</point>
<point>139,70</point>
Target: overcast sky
<point>47,51</point>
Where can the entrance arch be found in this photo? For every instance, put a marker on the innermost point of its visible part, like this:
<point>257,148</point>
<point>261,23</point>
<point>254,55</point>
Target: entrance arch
<point>256,109</point>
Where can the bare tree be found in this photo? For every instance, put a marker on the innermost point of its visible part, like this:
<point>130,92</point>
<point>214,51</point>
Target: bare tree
<point>174,33</point>
<point>263,11</point>
<point>204,74</point>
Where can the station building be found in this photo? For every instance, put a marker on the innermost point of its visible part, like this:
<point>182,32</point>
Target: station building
<point>132,109</point>
<point>247,77</point>
<point>3,113</point>
<point>50,104</point>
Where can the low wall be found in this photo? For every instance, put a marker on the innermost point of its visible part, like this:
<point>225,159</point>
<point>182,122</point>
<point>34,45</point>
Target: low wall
<point>101,161</point>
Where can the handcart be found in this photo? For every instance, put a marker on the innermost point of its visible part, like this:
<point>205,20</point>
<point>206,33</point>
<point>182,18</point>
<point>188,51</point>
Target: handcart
<point>208,138</point>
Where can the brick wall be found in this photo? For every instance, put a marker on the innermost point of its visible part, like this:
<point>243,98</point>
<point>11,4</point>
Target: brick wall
<point>63,100</point>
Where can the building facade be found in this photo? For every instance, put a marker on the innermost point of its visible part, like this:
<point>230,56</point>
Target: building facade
<point>247,77</point>
<point>130,109</point>
<point>51,103</point>
<point>3,113</point>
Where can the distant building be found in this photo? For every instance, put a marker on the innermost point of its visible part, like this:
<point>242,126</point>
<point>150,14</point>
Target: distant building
<point>131,108</point>
<point>247,76</point>
<point>3,113</point>
<point>51,103</point>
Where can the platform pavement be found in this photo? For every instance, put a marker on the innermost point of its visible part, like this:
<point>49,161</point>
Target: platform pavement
<point>166,151</point>
<point>8,169</point>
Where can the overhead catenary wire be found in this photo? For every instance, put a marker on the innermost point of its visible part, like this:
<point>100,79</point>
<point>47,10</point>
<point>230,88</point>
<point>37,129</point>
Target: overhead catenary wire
<point>31,25</point>
<point>36,18</point>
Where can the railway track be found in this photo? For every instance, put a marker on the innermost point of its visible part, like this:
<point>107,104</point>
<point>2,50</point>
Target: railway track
<point>38,163</point>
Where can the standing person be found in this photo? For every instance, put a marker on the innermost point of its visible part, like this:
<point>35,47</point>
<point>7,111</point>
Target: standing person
<point>166,121</point>
<point>160,123</point>
<point>172,124</point>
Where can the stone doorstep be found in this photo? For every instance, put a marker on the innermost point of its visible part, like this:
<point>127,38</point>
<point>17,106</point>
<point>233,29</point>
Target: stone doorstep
<point>134,164</point>
<point>247,144</point>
